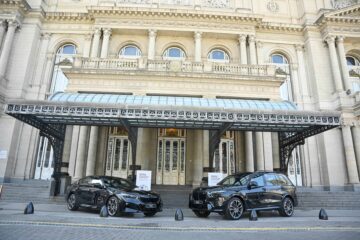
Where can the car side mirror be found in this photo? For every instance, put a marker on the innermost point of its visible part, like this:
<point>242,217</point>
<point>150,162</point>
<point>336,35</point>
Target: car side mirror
<point>252,185</point>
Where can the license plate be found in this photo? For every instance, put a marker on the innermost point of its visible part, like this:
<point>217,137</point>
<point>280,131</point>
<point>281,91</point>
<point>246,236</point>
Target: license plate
<point>198,202</point>
<point>150,205</point>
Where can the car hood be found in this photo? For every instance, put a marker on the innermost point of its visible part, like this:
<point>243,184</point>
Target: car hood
<point>134,192</point>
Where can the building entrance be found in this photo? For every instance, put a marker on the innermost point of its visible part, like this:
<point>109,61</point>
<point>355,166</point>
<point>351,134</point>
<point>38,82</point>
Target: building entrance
<point>224,157</point>
<point>44,160</point>
<point>118,151</point>
<point>171,154</point>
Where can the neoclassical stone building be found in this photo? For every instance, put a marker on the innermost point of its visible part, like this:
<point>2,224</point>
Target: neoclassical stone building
<point>180,56</point>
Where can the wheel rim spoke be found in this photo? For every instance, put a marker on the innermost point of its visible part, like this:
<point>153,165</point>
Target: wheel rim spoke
<point>235,208</point>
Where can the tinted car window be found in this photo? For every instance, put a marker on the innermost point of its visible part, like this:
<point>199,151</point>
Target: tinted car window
<point>85,181</point>
<point>259,180</point>
<point>283,180</point>
<point>271,180</point>
<point>118,183</point>
<point>241,179</point>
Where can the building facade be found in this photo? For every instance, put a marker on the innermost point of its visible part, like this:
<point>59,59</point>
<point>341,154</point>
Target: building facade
<point>302,51</point>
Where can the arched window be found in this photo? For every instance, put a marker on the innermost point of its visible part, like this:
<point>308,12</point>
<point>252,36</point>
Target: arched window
<point>130,51</point>
<point>218,55</point>
<point>174,53</point>
<point>352,61</point>
<point>282,65</point>
<point>64,59</point>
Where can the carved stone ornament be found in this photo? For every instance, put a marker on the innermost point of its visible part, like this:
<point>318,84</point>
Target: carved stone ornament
<point>272,6</point>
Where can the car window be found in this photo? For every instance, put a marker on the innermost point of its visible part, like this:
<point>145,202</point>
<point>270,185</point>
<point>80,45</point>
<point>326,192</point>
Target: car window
<point>271,180</point>
<point>259,180</point>
<point>118,183</point>
<point>283,180</point>
<point>229,180</point>
<point>85,181</point>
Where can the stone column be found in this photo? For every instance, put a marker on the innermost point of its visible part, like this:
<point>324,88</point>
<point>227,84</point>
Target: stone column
<point>275,150</point>
<point>249,146</point>
<point>6,49</point>
<point>197,38</point>
<point>260,56</point>
<point>105,43</point>
<point>81,153</point>
<point>303,82</point>
<point>67,148</point>
<point>356,135</point>
<point>73,149</point>
<point>198,157</point>
<point>92,150</point>
<point>268,154</point>
<point>343,63</point>
<point>2,31</point>
<point>87,46</point>
<point>260,165</point>
<point>252,49</point>
<point>334,64</point>
<point>296,95</point>
<point>350,155</point>
<point>243,51</point>
<point>152,43</point>
<point>95,44</point>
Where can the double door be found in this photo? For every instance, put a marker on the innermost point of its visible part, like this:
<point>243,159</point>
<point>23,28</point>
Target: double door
<point>171,161</point>
<point>44,160</point>
<point>117,161</point>
<point>224,160</point>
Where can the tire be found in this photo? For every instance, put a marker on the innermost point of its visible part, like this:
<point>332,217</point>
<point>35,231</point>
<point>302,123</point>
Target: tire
<point>113,206</point>
<point>201,213</point>
<point>149,214</point>
<point>234,209</point>
<point>287,207</point>
<point>72,203</point>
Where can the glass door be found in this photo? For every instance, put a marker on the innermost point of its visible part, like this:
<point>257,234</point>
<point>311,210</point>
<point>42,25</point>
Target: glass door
<point>224,160</point>
<point>117,161</point>
<point>44,160</point>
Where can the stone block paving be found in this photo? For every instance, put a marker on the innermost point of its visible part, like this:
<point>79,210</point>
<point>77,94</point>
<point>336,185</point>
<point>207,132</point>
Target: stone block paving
<point>52,222</point>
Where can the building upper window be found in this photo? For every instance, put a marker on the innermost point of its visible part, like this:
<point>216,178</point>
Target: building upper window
<point>130,51</point>
<point>218,55</point>
<point>282,65</point>
<point>63,59</point>
<point>278,59</point>
<point>174,53</point>
<point>352,61</point>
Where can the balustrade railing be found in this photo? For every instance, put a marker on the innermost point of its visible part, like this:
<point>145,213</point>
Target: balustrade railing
<point>174,66</point>
<point>337,4</point>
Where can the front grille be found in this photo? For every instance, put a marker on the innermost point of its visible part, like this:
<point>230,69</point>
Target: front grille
<point>149,199</point>
<point>199,195</point>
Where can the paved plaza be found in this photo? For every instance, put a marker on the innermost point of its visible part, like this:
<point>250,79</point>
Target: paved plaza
<point>51,221</point>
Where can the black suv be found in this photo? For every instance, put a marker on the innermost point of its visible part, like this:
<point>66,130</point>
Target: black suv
<point>243,192</point>
<point>117,194</point>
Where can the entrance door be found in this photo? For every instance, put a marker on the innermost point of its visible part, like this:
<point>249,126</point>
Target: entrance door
<point>171,161</point>
<point>294,167</point>
<point>224,160</point>
<point>44,160</point>
<point>117,161</point>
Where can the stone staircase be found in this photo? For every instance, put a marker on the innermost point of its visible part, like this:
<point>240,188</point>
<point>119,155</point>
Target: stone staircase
<point>36,191</point>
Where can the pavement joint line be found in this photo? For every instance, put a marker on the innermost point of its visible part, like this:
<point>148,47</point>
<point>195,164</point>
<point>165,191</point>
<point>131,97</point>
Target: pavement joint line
<point>230,229</point>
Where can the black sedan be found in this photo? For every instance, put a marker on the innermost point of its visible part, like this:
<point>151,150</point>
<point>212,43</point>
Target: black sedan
<point>117,194</point>
<point>244,192</point>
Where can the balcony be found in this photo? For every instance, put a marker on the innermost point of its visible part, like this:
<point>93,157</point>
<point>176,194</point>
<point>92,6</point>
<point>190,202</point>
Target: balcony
<point>167,66</point>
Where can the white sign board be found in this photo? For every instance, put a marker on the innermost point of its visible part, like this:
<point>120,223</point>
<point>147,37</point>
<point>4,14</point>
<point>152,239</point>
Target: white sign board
<point>214,178</point>
<point>143,180</point>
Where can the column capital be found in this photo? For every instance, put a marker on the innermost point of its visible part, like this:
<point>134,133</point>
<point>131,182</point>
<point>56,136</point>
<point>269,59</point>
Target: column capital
<point>107,32</point>
<point>152,32</point>
<point>340,39</point>
<point>330,40</point>
<point>299,47</point>
<point>197,35</point>
<point>242,37</point>
<point>97,31</point>
<point>2,22</point>
<point>13,24</point>
<point>45,36</point>
<point>251,38</point>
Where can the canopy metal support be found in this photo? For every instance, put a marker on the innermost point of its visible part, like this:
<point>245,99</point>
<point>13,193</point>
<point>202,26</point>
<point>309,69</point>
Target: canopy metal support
<point>214,140</point>
<point>133,136</point>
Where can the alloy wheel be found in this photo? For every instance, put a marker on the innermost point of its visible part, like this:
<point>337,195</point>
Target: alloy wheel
<point>112,206</point>
<point>72,202</point>
<point>288,207</point>
<point>235,208</point>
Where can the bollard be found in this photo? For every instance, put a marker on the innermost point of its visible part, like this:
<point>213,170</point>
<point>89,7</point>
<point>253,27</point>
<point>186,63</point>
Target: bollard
<point>104,212</point>
<point>323,215</point>
<point>179,216</point>
<point>253,215</point>
<point>29,209</point>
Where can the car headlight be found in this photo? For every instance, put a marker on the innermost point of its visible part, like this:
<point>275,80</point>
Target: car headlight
<point>215,194</point>
<point>126,195</point>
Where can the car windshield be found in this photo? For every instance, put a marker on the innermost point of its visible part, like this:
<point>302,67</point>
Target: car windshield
<point>239,180</point>
<point>119,183</point>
